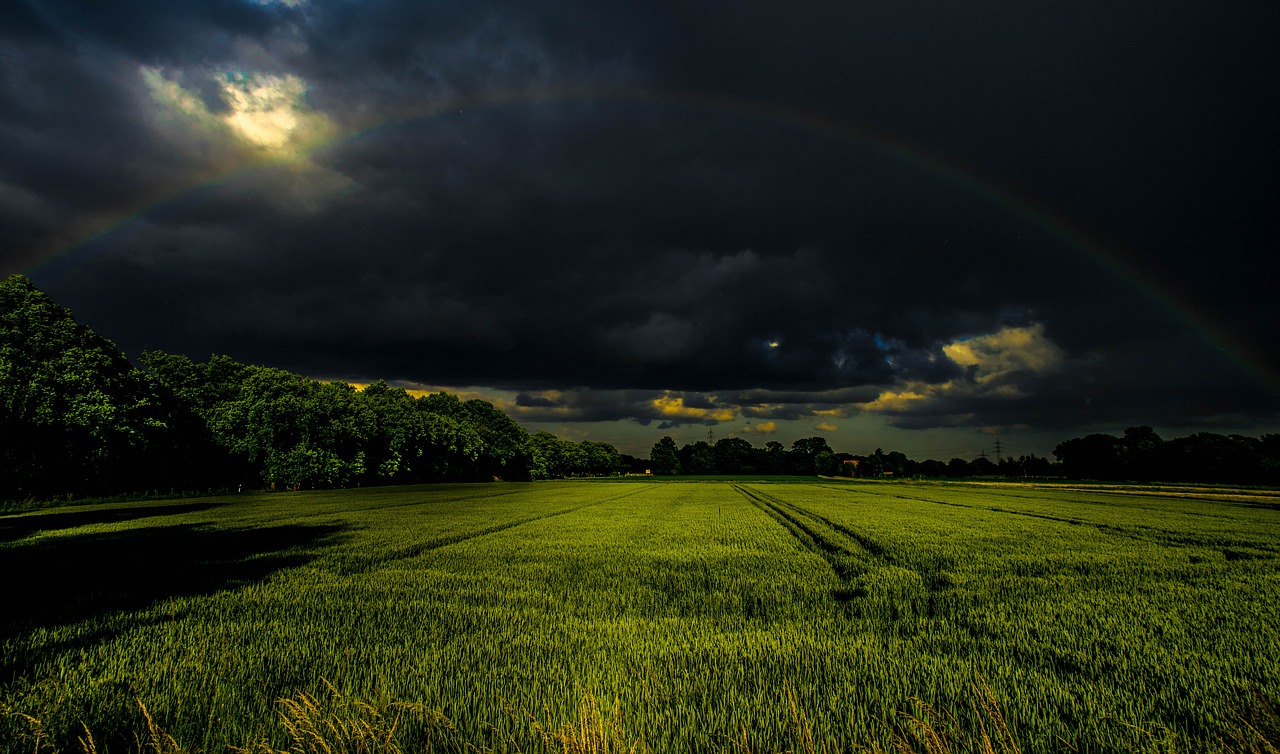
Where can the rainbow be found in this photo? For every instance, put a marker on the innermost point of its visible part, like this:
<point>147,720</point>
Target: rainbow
<point>1177,302</point>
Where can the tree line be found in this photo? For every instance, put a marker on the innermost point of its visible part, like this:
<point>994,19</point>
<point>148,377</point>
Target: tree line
<point>77,418</point>
<point>813,455</point>
<point>1138,455</point>
<point>1141,454</point>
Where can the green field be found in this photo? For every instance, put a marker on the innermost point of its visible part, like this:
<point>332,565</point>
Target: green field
<point>673,616</point>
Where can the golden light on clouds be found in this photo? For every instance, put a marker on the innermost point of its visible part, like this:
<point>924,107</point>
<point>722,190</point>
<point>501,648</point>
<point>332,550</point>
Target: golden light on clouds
<point>673,407</point>
<point>992,362</point>
<point>891,400</point>
<point>265,113</point>
<point>266,110</point>
<point>763,428</point>
<point>826,427</point>
<point>1010,349</point>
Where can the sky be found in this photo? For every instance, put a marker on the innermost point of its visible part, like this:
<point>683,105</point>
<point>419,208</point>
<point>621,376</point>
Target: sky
<point>914,225</point>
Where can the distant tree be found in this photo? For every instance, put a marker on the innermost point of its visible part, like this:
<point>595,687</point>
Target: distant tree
<point>634,465</point>
<point>1139,453</point>
<point>894,462</point>
<point>664,456</point>
<point>983,466</point>
<point>1039,466</point>
<point>958,468</point>
<point>1095,456</point>
<point>933,468</point>
<point>870,466</point>
<point>810,446</point>
<point>774,459</point>
<point>734,455</point>
<point>825,463</point>
<point>804,452</point>
<point>698,458</point>
<point>1010,467</point>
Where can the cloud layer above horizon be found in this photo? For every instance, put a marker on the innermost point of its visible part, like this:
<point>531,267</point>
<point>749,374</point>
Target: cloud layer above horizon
<point>1052,217</point>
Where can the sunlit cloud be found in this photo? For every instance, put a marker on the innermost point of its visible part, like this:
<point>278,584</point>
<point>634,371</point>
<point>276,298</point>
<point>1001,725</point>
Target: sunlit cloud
<point>674,407</point>
<point>826,427</point>
<point>268,112</point>
<point>996,367</point>
<point>1009,350</point>
<point>901,400</point>
<point>267,115</point>
<point>245,120</point>
<point>763,428</point>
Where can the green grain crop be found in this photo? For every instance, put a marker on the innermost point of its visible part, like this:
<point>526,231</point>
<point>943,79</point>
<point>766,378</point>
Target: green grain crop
<point>746,615</point>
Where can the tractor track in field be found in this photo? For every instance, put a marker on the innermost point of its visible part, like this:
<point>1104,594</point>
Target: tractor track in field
<point>413,551</point>
<point>867,543</point>
<point>847,564</point>
<point>1148,534</point>
<point>851,566</point>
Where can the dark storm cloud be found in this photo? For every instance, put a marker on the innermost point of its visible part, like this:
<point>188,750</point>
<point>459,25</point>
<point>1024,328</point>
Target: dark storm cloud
<point>666,408</point>
<point>633,205</point>
<point>151,29</point>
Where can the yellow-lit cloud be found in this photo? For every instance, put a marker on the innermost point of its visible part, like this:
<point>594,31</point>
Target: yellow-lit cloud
<point>266,113</point>
<point>891,400</point>
<point>672,407</point>
<point>992,364</point>
<point>763,428</point>
<point>826,427</point>
<point>1008,350</point>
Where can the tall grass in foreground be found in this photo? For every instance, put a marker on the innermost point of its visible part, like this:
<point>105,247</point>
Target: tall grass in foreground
<point>331,723</point>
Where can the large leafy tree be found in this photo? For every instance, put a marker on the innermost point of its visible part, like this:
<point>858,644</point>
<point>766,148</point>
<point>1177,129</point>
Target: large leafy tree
<point>75,416</point>
<point>298,432</point>
<point>546,456</point>
<point>602,459</point>
<point>505,442</point>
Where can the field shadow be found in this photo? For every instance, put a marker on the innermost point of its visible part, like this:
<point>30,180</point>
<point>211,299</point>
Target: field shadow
<point>59,581</point>
<point>13,528</point>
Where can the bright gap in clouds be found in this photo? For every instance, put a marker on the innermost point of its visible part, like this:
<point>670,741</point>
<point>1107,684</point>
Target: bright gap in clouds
<point>266,113</point>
